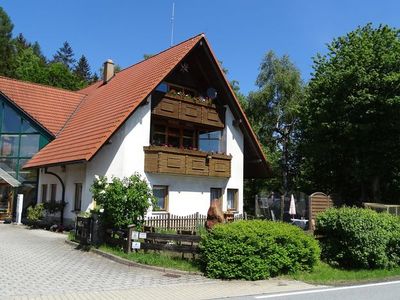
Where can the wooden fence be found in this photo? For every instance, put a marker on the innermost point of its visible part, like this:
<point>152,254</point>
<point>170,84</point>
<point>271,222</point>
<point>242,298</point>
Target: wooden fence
<point>192,222</point>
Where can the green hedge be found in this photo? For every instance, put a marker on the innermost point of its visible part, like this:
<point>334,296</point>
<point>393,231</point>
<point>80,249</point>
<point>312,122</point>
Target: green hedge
<point>359,238</point>
<point>256,250</point>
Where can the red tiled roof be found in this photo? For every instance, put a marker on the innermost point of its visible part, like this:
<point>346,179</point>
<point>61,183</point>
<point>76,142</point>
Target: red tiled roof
<point>50,107</point>
<point>107,106</point>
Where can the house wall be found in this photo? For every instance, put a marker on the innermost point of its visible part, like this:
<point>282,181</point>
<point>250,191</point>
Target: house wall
<point>124,155</point>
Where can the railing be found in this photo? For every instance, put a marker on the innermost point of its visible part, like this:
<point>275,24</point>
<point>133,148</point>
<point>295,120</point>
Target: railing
<point>159,159</point>
<point>379,207</point>
<point>192,222</point>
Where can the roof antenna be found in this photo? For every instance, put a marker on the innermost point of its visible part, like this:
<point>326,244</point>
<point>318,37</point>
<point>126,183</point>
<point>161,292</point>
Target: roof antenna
<point>172,24</point>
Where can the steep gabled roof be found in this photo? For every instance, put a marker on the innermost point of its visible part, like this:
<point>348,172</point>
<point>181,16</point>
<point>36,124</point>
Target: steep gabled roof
<point>48,106</point>
<point>107,106</point>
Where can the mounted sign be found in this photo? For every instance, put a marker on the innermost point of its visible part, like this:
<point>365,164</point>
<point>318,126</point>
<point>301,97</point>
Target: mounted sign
<point>135,245</point>
<point>135,235</point>
<point>142,235</point>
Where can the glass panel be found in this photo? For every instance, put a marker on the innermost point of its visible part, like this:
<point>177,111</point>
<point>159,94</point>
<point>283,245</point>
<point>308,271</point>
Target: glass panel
<point>158,139</point>
<point>78,196</point>
<point>162,87</point>
<point>215,193</point>
<point>53,193</point>
<point>26,175</point>
<point>11,120</point>
<point>160,194</point>
<point>9,145</point>
<point>210,141</point>
<point>29,145</point>
<point>231,198</point>
<point>9,165</point>
<point>173,137</point>
<point>27,128</point>
<point>44,193</point>
<point>188,141</point>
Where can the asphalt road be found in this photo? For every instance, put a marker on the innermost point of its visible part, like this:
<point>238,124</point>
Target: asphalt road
<point>374,291</point>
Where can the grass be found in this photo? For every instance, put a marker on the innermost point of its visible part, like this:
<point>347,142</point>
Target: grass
<point>325,274</point>
<point>160,259</point>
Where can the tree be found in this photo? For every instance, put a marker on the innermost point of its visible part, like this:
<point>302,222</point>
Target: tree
<point>273,113</point>
<point>82,70</point>
<point>6,44</point>
<point>65,55</point>
<point>58,75</point>
<point>29,66</point>
<point>350,125</point>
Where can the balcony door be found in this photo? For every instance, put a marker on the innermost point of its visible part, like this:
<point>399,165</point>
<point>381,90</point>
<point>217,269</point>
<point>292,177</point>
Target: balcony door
<point>6,200</point>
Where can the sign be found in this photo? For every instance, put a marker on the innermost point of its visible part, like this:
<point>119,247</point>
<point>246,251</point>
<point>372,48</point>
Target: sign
<point>142,235</point>
<point>135,235</point>
<point>20,205</point>
<point>135,245</point>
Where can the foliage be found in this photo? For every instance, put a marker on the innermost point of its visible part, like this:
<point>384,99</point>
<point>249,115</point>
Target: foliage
<point>125,201</point>
<point>82,69</point>
<point>24,60</point>
<point>327,275</point>
<point>161,259</point>
<point>359,238</point>
<point>6,45</point>
<point>255,250</point>
<point>273,112</point>
<point>349,121</point>
<point>65,55</point>
<point>35,213</point>
<point>53,207</point>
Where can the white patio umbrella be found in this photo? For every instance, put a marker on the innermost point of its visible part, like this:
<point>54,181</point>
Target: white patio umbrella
<point>292,208</point>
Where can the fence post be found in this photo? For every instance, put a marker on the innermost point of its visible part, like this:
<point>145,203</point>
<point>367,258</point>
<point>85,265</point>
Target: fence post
<point>128,248</point>
<point>169,221</point>
<point>244,215</point>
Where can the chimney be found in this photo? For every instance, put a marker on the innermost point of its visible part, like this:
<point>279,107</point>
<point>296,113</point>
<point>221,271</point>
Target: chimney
<point>108,70</point>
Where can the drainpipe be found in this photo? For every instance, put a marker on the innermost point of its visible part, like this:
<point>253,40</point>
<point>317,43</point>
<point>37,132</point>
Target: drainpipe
<point>62,196</point>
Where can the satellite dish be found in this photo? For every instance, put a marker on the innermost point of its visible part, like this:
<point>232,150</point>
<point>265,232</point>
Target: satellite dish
<point>211,93</point>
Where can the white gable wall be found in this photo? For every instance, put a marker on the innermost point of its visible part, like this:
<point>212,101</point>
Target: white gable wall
<point>123,155</point>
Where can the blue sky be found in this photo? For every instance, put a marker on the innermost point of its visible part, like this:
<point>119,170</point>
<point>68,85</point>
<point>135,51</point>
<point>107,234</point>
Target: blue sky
<point>240,32</point>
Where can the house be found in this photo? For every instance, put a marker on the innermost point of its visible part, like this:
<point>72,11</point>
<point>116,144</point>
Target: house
<point>173,118</point>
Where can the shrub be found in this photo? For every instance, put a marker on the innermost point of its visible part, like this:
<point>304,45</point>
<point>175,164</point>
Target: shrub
<point>35,213</point>
<point>359,238</point>
<point>254,250</point>
<point>123,201</point>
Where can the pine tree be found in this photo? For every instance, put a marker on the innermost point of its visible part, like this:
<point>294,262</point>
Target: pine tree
<point>65,55</point>
<point>82,70</point>
<point>6,44</point>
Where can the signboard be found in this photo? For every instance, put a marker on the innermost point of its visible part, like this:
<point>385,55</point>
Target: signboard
<point>135,235</point>
<point>142,235</point>
<point>135,245</point>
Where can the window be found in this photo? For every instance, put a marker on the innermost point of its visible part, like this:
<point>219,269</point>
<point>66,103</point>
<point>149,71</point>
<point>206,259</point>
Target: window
<point>160,192</point>
<point>53,193</point>
<point>78,197</point>
<point>178,137</point>
<point>11,120</point>
<point>232,199</point>
<point>44,192</point>
<point>215,193</point>
<point>162,87</point>
<point>210,141</point>
<point>9,145</point>
<point>29,145</point>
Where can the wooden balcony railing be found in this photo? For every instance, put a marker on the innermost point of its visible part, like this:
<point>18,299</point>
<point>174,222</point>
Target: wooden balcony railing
<point>169,160</point>
<point>189,109</point>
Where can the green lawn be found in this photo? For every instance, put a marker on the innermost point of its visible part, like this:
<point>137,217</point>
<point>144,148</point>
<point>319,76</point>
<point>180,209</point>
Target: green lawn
<point>160,259</point>
<point>325,274</point>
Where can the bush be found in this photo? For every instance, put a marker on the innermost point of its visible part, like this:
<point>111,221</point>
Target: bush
<point>123,201</point>
<point>35,213</point>
<point>359,238</point>
<point>254,250</point>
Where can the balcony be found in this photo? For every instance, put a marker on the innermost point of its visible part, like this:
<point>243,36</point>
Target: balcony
<point>191,109</point>
<point>169,160</point>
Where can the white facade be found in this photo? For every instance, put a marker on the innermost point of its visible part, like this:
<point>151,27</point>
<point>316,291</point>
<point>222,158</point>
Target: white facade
<point>124,155</point>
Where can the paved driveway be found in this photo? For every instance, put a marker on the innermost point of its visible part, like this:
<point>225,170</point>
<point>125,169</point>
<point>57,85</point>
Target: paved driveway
<point>37,262</point>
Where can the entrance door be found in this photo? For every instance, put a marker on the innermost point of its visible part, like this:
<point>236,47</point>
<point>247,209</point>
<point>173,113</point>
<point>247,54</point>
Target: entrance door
<point>6,200</point>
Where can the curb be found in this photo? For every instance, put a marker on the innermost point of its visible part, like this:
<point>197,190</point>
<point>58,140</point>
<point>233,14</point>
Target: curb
<point>130,263</point>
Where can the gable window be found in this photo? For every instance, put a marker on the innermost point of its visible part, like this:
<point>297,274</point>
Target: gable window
<point>210,141</point>
<point>44,192</point>
<point>160,192</point>
<point>53,193</point>
<point>78,197</point>
<point>232,203</point>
